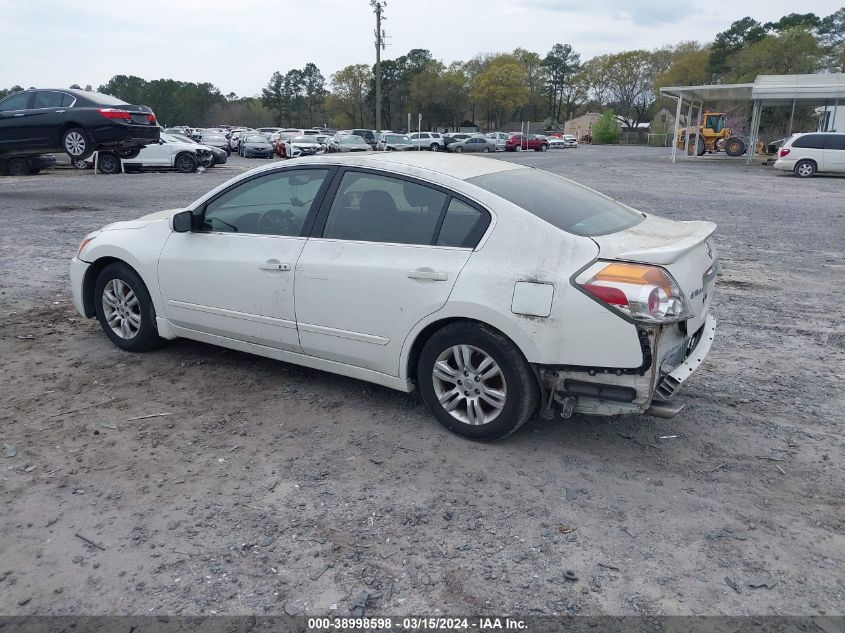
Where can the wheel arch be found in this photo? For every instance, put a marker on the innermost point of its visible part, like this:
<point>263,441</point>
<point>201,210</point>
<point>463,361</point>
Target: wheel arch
<point>90,280</point>
<point>68,125</point>
<point>426,329</point>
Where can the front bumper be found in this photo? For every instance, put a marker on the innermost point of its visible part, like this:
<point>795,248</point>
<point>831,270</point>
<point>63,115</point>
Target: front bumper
<point>78,269</point>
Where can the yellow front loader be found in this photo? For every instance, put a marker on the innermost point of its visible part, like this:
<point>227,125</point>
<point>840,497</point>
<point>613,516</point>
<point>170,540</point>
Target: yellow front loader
<point>713,136</point>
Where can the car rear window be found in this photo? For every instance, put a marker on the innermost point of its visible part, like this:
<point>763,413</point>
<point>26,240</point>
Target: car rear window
<point>560,202</point>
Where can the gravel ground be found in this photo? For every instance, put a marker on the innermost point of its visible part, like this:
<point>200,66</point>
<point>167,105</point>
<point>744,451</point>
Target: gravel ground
<point>269,488</point>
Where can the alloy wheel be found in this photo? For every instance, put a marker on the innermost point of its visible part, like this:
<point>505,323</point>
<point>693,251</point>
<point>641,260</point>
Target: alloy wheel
<point>121,308</point>
<point>469,384</point>
<point>75,144</point>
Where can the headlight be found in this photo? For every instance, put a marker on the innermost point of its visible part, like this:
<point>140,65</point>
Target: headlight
<point>644,293</point>
<point>85,241</point>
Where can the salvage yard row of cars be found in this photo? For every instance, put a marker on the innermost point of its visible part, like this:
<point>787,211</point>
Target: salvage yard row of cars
<point>91,128</point>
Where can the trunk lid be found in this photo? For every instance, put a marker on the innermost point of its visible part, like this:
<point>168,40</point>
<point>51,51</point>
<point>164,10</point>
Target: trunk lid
<point>685,249</point>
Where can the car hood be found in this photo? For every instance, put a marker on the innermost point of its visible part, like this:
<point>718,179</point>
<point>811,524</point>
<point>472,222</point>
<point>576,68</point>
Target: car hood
<point>143,221</point>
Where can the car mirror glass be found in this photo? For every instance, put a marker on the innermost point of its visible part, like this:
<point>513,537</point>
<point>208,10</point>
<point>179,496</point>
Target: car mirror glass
<point>182,222</point>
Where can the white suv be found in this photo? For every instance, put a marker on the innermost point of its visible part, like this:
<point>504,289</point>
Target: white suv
<point>806,154</point>
<point>428,140</point>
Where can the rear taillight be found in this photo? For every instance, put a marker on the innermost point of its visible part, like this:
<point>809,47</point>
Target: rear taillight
<point>115,113</point>
<point>153,118</point>
<point>644,293</point>
<point>783,152</point>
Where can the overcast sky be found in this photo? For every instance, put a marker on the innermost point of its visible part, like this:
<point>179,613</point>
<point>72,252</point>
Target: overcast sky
<point>237,44</point>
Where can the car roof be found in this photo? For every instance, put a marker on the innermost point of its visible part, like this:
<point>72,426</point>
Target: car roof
<point>460,167</point>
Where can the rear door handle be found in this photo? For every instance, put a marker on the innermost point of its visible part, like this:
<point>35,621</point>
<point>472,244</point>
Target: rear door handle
<point>428,273</point>
<point>274,265</point>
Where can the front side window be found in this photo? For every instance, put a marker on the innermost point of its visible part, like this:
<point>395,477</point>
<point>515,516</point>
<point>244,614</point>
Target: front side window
<point>275,204</point>
<point>19,101</point>
<point>378,208</point>
<point>835,141</point>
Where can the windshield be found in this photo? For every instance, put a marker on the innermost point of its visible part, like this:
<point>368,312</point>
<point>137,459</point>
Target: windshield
<point>560,202</point>
<point>303,139</point>
<point>213,138</point>
<point>255,138</point>
<point>351,140</point>
<point>396,138</point>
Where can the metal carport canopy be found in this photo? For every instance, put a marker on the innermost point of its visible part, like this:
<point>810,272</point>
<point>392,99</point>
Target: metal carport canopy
<point>767,90</point>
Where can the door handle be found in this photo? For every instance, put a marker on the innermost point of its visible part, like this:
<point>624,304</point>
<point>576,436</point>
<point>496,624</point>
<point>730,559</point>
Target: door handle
<point>428,273</point>
<point>274,265</point>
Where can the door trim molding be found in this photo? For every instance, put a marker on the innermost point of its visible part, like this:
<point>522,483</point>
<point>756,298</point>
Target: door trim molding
<point>347,334</point>
<point>234,314</point>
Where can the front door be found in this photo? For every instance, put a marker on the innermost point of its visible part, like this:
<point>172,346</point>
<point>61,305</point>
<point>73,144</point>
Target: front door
<point>834,152</point>
<point>234,277</point>
<point>387,255</point>
<point>13,116</point>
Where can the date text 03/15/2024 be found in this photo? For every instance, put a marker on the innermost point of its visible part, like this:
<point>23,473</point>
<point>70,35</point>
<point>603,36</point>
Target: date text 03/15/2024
<point>416,624</point>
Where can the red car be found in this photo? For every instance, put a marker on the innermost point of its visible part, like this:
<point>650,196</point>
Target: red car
<point>518,142</point>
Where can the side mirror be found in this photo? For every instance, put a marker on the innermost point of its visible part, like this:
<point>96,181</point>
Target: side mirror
<point>183,222</point>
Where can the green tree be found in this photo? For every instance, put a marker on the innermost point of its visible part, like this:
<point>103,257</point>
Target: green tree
<point>273,97</point>
<point>807,21</point>
<point>130,88</point>
<point>627,81</point>
<point>349,87</point>
<point>832,36</point>
<point>729,42</point>
<point>501,87</point>
<point>314,85</point>
<point>795,51</point>
<point>606,129</point>
<point>561,66</point>
<point>5,92</point>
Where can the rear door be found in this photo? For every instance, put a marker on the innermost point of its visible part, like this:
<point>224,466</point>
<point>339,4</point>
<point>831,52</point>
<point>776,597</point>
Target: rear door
<point>385,253</point>
<point>13,116</point>
<point>834,152</point>
<point>46,116</point>
<point>809,146</point>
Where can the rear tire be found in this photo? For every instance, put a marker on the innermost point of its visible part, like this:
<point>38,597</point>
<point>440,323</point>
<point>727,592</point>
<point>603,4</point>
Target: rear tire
<point>185,164</point>
<point>434,147</point>
<point>108,163</point>
<point>805,168</point>
<point>17,167</point>
<point>544,147</point>
<point>458,149</point>
<point>476,382</point>
<point>77,143</point>
<point>485,150</point>
<point>124,309</point>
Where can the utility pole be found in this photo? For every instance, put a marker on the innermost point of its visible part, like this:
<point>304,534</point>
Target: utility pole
<point>378,8</point>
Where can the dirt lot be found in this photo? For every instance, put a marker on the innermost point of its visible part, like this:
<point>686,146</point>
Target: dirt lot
<point>267,488</point>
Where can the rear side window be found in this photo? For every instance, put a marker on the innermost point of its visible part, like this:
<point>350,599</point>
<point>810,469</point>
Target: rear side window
<point>463,225</point>
<point>560,202</point>
<point>809,141</point>
<point>47,99</point>
<point>835,141</point>
<point>376,208</point>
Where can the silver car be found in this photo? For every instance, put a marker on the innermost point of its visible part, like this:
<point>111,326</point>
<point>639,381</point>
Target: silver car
<point>473,144</point>
<point>349,143</point>
<point>393,143</point>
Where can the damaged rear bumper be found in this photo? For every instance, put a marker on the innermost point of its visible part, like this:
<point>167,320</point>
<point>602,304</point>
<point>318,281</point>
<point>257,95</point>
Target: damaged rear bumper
<point>607,392</point>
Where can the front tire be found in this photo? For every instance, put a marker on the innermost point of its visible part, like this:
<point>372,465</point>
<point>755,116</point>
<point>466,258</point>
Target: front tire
<point>476,382</point>
<point>185,164</point>
<point>544,148</point>
<point>77,143</point>
<point>805,169</point>
<point>458,149</point>
<point>124,309</point>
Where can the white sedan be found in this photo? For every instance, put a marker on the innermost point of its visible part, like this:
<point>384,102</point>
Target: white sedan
<point>497,289</point>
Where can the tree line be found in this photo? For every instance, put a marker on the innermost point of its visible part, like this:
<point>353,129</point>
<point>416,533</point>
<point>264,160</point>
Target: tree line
<point>492,89</point>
